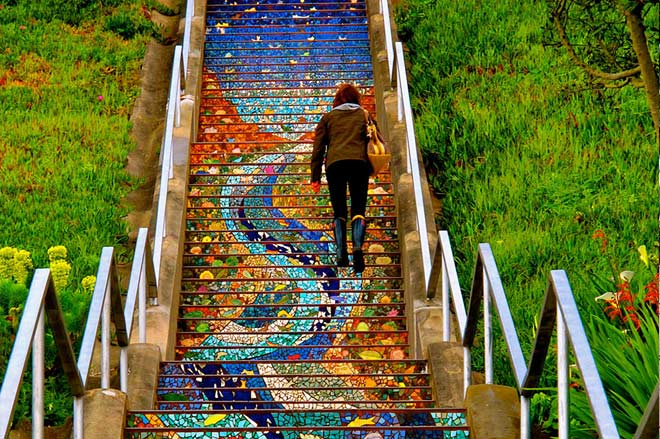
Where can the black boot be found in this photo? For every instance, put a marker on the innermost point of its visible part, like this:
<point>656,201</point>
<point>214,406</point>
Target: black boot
<point>340,242</point>
<point>359,228</point>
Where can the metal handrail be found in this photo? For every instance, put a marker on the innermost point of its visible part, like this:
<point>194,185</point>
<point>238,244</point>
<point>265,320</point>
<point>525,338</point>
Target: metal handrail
<point>405,114</point>
<point>30,335</point>
<point>487,287</point>
<point>173,120</point>
<point>389,45</point>
<point>106,305</point>
<point>559,309</point>
<point>167,154</point>
<point>190,11</point>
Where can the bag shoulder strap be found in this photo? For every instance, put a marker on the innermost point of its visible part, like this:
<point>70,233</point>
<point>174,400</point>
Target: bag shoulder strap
<point>367,117</point>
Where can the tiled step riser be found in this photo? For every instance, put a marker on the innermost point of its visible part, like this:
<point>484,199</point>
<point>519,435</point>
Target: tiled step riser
<point>222,6</point>
<point>339,76</point>
<point>218,28</point>
<point>284,86</point>
<point>179,382</point>
<point>303,199</point>
<point>323,211</point>
<point>301,433</point>
<point>295,400</point>
<point>299,108</point>
<point>230,182</point>
<point>380,295</point>
<point>233,169</point>
<point>382,332</point>
<point>217,352</point>
<point>328,264</point>
<point>206,238</point>
<point>314,58</point>
<point>295,58</point>
<point>248,285</point>
<point>424,423</point>
<point>257,95</point>
<point>284,21</point>
<point>298,325</point>
<point>311,68</point>
<point>284,303</point>
<point>284,8</point>
<point>200,225</point>
<point>330,369</point>
<point>192,300</point>
<point>216,257</point>
<point>293,433</point>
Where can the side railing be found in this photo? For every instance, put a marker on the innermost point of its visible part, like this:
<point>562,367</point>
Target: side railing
<point>558,310</point>
<point>172,121</point>
<point>105,307</point>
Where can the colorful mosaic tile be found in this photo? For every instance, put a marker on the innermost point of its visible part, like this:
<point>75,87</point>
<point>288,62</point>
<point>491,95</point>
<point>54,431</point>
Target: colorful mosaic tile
<point>274,340</point>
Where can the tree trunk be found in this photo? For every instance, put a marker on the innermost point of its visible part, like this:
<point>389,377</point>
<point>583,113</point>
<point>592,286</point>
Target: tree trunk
<point>649,75</point>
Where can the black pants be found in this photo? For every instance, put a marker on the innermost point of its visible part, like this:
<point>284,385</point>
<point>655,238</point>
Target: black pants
<point>355,175</point>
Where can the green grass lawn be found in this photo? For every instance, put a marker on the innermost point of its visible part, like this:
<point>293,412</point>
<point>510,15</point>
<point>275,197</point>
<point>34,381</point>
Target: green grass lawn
<point>527,155</point>
<point>69,76</point>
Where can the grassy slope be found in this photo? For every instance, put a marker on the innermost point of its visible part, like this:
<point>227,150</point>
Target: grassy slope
<point>67,94</point>
<point>524,156</point>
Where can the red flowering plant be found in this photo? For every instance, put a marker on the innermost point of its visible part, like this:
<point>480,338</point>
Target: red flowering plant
<point>623,338</point>
<point>633,293</point>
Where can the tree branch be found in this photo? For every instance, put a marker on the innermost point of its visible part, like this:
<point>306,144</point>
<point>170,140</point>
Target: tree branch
<point>561,31</point>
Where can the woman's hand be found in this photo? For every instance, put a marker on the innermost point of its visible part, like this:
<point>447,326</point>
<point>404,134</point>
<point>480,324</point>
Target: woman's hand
<point>316,186</point>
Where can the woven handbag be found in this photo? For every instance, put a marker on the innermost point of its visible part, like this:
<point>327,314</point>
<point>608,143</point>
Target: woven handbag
<point>377,150</point>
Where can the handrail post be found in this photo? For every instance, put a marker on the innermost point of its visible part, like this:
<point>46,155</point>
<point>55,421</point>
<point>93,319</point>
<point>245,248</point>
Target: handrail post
<point>78,413</point>
<point>488,329</point>
<point>105,339</point>
<point>142,301</point>
<point>562,376</point>
<point>525,427</point>
<point>190,11</point>
<point>467,369</point>
<point>38,376</point>
<point>444,282</point>
<point>389,43</point>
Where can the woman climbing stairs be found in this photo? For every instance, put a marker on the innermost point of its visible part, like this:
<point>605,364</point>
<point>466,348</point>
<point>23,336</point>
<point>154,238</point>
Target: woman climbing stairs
<point>274,340</point>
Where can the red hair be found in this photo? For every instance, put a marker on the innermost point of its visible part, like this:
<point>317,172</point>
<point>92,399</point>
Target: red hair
<point>346,94</point>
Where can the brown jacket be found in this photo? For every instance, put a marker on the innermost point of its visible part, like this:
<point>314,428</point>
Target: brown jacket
<point>343,134</point>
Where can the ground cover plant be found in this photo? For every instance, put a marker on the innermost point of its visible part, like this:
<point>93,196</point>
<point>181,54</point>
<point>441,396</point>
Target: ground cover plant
<point>529,154</point>
<point>69,75</point>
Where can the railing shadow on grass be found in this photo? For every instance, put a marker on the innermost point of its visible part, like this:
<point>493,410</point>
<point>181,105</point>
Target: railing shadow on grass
<point>105,307</point>
<point>558,310</point>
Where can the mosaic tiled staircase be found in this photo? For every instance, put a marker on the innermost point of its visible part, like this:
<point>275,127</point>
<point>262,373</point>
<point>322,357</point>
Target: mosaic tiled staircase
<point>274,340</point>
